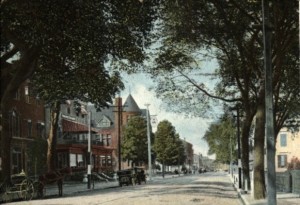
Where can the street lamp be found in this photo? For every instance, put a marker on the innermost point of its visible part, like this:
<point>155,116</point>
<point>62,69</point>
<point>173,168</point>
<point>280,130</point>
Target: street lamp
<point>149,143</point>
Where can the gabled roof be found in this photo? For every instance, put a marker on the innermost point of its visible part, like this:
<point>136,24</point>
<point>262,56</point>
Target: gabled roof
<point>97,116</point>
<point>130,105</point>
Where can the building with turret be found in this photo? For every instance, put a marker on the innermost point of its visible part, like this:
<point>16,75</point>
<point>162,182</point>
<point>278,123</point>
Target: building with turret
<point>105,126</point>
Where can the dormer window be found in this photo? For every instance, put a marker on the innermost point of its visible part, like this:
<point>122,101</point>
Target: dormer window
<point>104,122</point>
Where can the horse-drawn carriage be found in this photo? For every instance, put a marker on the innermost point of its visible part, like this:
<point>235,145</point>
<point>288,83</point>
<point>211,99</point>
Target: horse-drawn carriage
<point>131,176</point>
<point>20,186</point>
<point>51,177</point>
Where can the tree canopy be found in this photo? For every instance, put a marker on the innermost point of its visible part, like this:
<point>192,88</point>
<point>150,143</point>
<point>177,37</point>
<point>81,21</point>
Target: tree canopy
<point>134,140</point>
<point>68,31</point>
<point>168,147</point>
<point>221,139</point>
<point>230,32</point>
<point>164,141</point>
<point>66,44</point>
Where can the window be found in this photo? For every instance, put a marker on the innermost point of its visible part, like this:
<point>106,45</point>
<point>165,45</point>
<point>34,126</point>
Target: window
<point>104,138</point>
<point>63,160</point>
<point>14,124</point>
<point>108,161</point>
<point>283,140</point>
<point>40,129</point>
<point>107,140</point>
<point>282,161</point>
<point>103,161</point>
<point>99,139</point>
<point>17,95</point>
<point>72,160</point>
<point>16,160</point>
<point>29,128</point>
<point>26,90</point>
<point>79,160</point>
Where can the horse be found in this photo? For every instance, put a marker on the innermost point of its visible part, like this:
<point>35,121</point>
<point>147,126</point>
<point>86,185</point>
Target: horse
<point>52,177</point>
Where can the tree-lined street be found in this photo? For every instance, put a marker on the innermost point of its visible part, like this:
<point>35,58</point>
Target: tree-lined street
<point>55,53</point>
<point>209,188</point>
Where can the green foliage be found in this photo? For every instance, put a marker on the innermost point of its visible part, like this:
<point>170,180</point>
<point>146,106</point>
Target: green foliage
<point>177,152</point>
<point>168,147</point>
<point>88,83</point>
<point>194,31</point>
<point>67,43</point>
<point>221,139</point>
<point>72,34</point>
<point>134,142</point>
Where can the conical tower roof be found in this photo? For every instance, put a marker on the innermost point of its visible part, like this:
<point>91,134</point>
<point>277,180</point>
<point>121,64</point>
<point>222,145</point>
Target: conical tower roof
<point>130,105</point>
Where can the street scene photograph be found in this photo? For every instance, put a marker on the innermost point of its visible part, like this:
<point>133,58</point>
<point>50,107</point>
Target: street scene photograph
<point>186,102</point>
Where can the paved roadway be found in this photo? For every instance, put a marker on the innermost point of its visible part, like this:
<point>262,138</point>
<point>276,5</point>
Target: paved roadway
<point>204,189</point>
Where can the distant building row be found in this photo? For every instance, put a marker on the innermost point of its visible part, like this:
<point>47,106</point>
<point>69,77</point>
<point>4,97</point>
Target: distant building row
<point>29,120</point>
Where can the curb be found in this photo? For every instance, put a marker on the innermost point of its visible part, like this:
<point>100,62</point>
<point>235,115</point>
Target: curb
<point>240,195</point>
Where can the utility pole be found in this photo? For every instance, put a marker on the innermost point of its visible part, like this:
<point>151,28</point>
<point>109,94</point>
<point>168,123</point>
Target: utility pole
<point>149,143</point>
<point>239,148</point>
<point>230,168</point>
<point>119,131</point>
<point>271,174</point>
<point>119,110</point>
<point>89,152</point>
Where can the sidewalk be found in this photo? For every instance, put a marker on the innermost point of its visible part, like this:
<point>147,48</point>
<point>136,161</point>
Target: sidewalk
<point>282,197</point>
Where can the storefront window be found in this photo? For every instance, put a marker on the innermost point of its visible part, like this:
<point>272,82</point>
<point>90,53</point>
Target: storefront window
<point>16,160</point>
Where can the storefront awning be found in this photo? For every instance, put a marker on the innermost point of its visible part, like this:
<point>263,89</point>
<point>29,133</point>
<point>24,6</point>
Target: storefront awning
<point>71,126</point>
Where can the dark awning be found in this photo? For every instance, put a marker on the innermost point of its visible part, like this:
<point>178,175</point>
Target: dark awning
<point>71,126</point>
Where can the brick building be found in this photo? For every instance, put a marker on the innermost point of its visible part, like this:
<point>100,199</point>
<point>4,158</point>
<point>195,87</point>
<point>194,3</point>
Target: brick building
<point>106,133</point>
<point>26,124</point>
<point>189,152</point>
<point>30,120</point>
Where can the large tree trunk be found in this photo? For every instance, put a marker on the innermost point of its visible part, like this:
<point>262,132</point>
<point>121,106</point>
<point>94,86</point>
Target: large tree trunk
<point>245,152</point>
<point>52,138</point>
<point>259,136</point>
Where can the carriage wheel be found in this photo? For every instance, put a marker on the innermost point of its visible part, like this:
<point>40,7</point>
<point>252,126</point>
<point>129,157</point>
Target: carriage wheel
<point>38,189</point>
<point>5,195</point>
<point>27,189</point>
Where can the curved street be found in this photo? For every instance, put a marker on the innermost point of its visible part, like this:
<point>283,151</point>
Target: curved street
<point>205,189</point>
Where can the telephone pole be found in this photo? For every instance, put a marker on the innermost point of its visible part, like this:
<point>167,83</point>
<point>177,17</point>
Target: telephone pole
<point>149,143</point>
<point>239,147</point>
<point>89,153</point>
<point>271,174</point>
